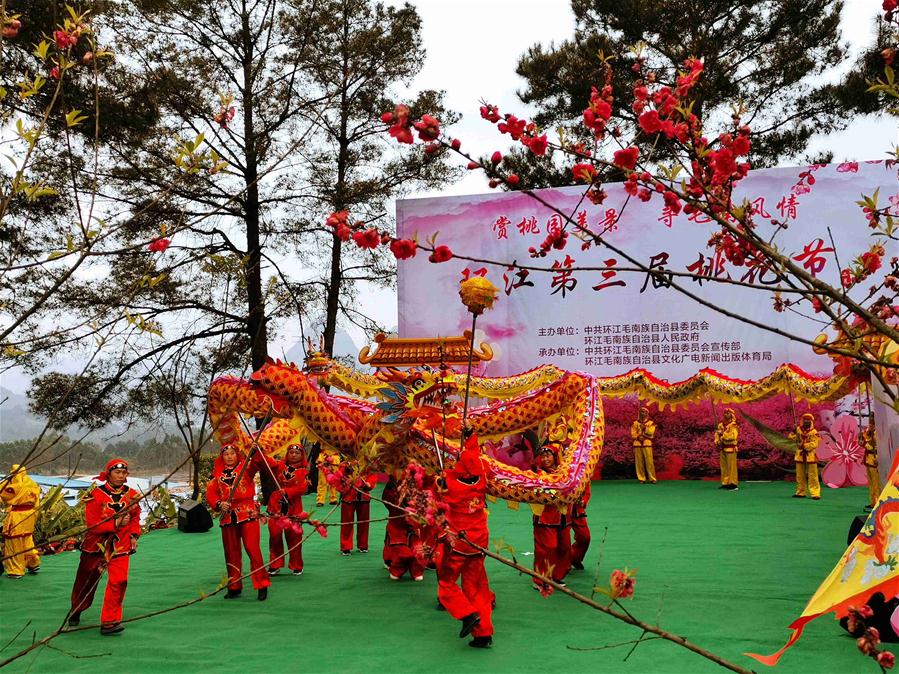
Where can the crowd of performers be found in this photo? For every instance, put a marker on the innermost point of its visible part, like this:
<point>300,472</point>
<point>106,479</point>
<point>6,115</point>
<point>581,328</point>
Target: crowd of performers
<point>726,439</point>
<point>451,541</point>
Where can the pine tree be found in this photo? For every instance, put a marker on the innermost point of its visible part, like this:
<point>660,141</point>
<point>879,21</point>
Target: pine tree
<point>767,57</point>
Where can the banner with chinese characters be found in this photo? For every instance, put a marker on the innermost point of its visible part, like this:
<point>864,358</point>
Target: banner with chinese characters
<point>617,318</point>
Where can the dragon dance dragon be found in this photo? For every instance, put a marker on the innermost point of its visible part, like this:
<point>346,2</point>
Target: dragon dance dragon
<point>392,417</point>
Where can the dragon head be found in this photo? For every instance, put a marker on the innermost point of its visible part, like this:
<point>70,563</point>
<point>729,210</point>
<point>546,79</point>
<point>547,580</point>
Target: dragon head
<point>317,361</point>
<point>416,393</point>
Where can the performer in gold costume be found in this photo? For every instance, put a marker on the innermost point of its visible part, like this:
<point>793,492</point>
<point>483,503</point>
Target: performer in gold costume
<point>726,436</point>
<point>22,498</point>
<point>807,441</point>
<point>868,440</point>
<point>642,432</point>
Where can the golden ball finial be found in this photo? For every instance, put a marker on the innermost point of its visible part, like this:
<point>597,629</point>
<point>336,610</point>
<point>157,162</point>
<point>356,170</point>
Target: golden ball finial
<point>478,294</point>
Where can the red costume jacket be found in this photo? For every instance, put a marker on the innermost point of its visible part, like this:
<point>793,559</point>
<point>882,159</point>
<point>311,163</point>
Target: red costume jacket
<point>292,478</point>
<point>401,528</point>
<point>579,507</point>
<point>465,494</point>
<point>360,490</point>
<point>102,534</point>
<point>224,488</point>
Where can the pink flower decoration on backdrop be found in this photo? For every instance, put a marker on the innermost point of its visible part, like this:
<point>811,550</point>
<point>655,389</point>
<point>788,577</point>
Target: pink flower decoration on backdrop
<point>848,167</point>
<point>840,448</point>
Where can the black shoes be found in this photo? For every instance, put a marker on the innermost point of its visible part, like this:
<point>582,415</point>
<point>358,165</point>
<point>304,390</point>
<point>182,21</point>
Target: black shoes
<point>34,570</point>
<point>75,619</point>
<point>298,572</point>
<point>577,565</point>
<point>345,553</point>
<point>481,642</point>
<point>112,628</point>
<point>262,595</point>
<point>232,594</point>
<point>363,550</point>
<point>798,495</point>
<point>469,622</point>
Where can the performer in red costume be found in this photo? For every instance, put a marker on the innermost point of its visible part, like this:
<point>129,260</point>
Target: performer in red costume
<point>231,493</point>
<point>355,503</point>
<point>112,517</point>
<point>401,538</point>
<point>552,530</point>
<point>284,508</point>
<point>580,530</point>
<point>465,488</point>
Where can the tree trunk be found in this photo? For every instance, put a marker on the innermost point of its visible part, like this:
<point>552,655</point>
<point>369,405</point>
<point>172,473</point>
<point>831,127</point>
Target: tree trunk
<point>256,319</point>
<point>339,204</point>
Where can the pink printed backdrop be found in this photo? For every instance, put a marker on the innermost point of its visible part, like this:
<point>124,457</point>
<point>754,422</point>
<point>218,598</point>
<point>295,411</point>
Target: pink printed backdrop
<point>608,322</point>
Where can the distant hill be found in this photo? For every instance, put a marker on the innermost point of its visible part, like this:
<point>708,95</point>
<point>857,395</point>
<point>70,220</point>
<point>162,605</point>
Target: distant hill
<point>16,422</point>
<point>343,346</point>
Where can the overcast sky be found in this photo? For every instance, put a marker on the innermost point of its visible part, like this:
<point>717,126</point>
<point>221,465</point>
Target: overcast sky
<point>473,47</point>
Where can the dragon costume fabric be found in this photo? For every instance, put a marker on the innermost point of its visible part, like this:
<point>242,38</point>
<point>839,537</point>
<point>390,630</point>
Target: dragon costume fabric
<point>397,416</point>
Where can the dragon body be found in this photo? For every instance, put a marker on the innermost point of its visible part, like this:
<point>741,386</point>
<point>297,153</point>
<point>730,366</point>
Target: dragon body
<point>392,417</point>
<point>398,416</point>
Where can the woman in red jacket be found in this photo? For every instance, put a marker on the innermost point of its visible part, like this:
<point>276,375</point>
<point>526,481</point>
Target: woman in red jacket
<point>401,537</point>
<point>285,506</point>
<point>231,493</point>
<point>355,504</point>
<point>552,530</point>
<point>112,516</point>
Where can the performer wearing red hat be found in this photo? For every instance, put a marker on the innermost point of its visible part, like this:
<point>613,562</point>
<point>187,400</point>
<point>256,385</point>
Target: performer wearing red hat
<point>401,538</point>
<point>464,494</point>
<point>284,508</point>
<point>355,503</point>
<point>112,517</point>
<point>552,530</point>
<point>231,493</point>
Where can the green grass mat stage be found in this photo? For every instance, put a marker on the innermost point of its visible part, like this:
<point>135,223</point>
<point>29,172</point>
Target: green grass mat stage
<point>727,570</point>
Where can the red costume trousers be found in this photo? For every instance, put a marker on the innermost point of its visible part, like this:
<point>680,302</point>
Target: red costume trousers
<point>552,551</point>
<point>401,558</point>
<point>90,569</point>
<point>473,597</point>
<point>581,532</point>
<point>278,530</point>
<point>248,533</point>
<point>361,510</point>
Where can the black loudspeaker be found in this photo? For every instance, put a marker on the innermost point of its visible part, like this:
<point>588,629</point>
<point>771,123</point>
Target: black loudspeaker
<point>883,612</point>
<point>855,528</point>
<point>193,517</point>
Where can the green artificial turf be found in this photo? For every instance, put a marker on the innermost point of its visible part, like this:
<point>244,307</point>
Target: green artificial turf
<point>727,570</point>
